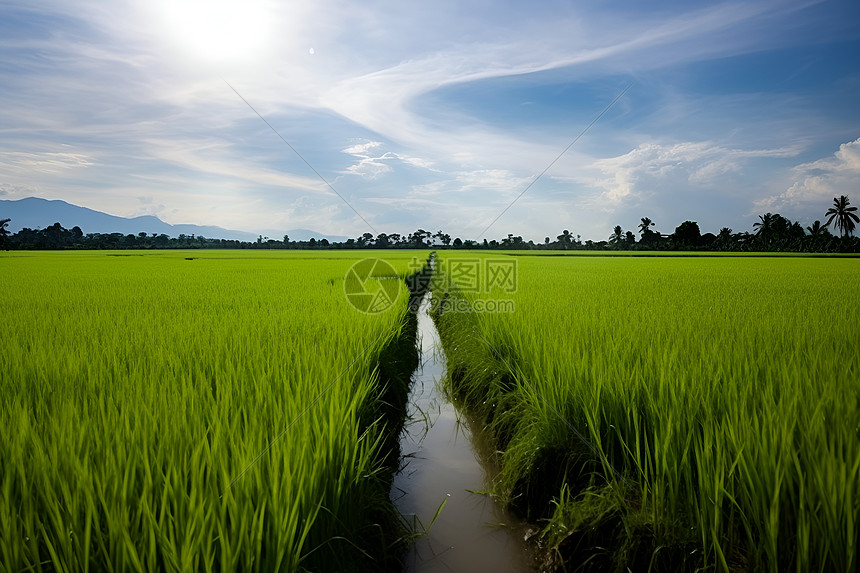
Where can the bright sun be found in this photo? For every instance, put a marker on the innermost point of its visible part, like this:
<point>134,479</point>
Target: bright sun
<point>218,31</point>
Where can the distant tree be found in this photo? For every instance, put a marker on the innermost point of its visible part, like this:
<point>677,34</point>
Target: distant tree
<point>513,242</point>
<point>764,226</point>
<point>687,234</point>
<point>286,240</point>
<point>645,226</point>
<point>420,239</point>
<point>771,231</point>
<point>629,239</point>
<point>842,215</point>
<point>546,240</point>
<point>817,229</point>
<point>647,236</point>
<point>4,232</point>
<point>819,237</point>
<point>565,240</point>
<point>795,231</point>
<point>787,235</point>
<point>458,242</point>
<point>777,233</point>
<point>366,240</point>
<point>382,241</point>
<point>616,239</point>
<point>725,240</point>
<point>56,236</point>
<point>444,238</point>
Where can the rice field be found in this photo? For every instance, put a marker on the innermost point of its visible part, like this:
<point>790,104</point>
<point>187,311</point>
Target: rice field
<point>671,413</point>
<point>196,411</point>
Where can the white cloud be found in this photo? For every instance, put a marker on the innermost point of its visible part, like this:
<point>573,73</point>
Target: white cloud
<point>368,166</point>
<point>371,166</point>
<point>361,149</point>
<point>821,180</point>
<point>648,166</point>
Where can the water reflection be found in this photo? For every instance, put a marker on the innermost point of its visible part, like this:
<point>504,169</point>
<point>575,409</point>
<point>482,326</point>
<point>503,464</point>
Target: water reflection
<point>471,534</point>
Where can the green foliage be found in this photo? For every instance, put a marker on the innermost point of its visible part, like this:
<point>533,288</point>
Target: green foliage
<point>192,412</point>
<point>717,397</point>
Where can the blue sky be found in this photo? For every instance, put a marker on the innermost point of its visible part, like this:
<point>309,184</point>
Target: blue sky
<point>433,115</point>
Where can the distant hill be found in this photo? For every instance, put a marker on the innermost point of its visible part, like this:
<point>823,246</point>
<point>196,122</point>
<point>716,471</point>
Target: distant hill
<point>36,213</point>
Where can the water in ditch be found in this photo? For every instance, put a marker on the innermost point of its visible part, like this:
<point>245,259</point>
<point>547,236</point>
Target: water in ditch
<point>445,461</point>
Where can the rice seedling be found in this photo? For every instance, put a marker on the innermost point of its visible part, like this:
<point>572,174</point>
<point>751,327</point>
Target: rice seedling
<point>227,412</point>
<point>682,413</point>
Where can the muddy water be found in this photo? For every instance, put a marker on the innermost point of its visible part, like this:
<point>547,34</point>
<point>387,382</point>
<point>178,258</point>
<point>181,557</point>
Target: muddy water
<point>442,460</point>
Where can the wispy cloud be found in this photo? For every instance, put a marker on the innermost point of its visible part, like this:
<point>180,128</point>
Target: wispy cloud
<point>47,162</point>
<point>214,158</point>
<point>380,100</point>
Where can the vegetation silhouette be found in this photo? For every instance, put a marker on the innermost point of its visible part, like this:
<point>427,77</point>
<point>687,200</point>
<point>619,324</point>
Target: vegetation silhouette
<point>771,233</point>
<point>4,232</point>
<point>842,215</point>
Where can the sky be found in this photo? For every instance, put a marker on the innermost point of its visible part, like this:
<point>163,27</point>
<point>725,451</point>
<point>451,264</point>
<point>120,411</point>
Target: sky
<point>476,118</point>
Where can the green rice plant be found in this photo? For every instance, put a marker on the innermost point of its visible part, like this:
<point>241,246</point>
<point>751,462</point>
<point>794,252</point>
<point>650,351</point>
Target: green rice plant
<point>719,396</point>
<point>213,411</point>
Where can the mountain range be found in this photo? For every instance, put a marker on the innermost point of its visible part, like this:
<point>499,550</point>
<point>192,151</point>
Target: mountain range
<point>37,213</point>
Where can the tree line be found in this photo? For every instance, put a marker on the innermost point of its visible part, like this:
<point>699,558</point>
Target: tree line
<point>771,233</point>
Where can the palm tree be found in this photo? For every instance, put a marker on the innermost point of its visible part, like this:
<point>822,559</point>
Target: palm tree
<point>769,230</point>
<point>645,226</point>
<point>617,237</point>
<point>765,225</point>
<point>843,215</point>
<point>818,237</point>
<point>724,238</point>
<point>817,229</point>
<point>3,230</point>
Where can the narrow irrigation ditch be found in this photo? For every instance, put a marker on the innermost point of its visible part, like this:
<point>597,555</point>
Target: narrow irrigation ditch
<point>446,463</point>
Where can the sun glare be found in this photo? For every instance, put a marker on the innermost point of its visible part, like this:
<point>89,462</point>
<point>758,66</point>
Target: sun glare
<point>218,31</point>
